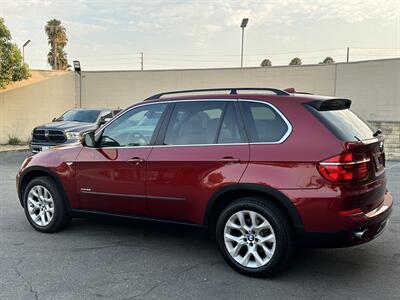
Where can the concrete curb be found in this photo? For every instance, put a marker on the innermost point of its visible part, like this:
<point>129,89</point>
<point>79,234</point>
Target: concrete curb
<point>14,150</point>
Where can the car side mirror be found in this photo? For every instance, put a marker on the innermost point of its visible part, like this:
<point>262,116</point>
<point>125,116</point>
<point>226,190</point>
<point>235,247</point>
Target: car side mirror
<point>88,139</point>
<point>103,120</point>
<point>54,120</point>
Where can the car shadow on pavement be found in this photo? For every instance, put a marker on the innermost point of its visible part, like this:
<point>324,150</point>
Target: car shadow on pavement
<point>160,240</point>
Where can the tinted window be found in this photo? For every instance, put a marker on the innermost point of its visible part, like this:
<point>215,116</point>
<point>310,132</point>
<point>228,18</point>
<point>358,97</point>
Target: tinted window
<point>134,128</point>
<point>263,122</point>
<point>345,124</point>
<point>230,132</point>
<point>194,123</point>
<point>84,115</point>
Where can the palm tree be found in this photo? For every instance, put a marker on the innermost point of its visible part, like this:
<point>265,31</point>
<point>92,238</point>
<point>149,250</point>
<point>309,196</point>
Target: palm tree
<point>57,39</point>
<point>266,63</point>
<point>295,62</point>
<point>328,60</point>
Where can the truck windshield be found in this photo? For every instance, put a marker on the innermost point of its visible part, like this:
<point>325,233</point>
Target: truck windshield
<point>78,115</point>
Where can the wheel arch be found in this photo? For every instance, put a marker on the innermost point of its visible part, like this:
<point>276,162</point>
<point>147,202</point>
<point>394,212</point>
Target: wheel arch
<point>228,194</point>
<point>37,171</point>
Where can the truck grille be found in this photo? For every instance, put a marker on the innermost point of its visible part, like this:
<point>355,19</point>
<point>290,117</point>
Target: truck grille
<point>51,136</point>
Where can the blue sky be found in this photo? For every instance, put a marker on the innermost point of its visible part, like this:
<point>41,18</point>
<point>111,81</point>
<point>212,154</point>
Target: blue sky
<point>108,35</point>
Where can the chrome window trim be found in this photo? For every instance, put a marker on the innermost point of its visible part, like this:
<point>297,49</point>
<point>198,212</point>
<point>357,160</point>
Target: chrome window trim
<point>288,124</point>
<point>283,139</point>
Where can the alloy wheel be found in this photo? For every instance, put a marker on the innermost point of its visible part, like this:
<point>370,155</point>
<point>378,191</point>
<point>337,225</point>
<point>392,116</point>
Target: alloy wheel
<point>249,239</point>
<point>40,205</point>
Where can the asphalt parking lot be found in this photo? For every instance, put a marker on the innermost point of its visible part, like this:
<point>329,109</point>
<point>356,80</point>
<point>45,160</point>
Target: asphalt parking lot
<point>125,260</point>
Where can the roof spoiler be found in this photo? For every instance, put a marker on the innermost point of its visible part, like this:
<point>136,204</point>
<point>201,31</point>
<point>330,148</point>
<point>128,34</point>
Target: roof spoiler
<point>330,104</point>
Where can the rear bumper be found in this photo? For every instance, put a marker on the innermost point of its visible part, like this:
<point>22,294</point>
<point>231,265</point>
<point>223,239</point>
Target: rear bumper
<point>359,230</point>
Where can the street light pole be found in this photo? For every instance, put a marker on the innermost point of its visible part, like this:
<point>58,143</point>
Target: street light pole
<point>141,61</point>
<point>243,25</point>
<point>23,49</point>
<point>78,70</point>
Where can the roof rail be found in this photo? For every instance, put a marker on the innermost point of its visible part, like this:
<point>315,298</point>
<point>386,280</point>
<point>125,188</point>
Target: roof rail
<point>233,91</point>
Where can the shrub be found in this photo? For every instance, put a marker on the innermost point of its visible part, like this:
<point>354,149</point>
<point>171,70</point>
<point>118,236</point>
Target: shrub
<point>13,140</point>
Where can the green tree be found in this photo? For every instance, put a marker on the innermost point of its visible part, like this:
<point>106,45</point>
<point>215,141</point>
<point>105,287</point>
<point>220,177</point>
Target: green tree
<point>12,67</point>
<point>328,60</point>
<point>57,39</point>
<point>266,63</point>
<point>295,62</point>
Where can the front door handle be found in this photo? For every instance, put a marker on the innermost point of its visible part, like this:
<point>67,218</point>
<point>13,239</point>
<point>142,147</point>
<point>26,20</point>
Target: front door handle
<point>136,160</point>
<point>228,160</point>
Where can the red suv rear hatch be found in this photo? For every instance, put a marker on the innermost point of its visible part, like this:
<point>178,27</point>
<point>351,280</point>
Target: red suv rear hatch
<point>359,169</point>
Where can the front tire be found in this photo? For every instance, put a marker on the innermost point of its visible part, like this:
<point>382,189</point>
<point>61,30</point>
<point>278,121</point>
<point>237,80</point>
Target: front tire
<point>255,237</point>
<point>44,206</point>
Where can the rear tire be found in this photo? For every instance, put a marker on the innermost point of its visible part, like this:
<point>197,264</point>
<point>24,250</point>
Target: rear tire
<point>44,206</point>
<point>255,237</point>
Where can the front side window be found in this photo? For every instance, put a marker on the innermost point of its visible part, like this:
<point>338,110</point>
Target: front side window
<point>134,128</point>
<point>263,122</point>
<point>194,123</point>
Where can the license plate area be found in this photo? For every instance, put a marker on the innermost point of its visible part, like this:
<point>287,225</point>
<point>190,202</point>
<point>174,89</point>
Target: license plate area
<point>378,157</point>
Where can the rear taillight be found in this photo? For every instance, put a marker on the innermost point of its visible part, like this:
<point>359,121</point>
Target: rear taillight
<point>347,166</point>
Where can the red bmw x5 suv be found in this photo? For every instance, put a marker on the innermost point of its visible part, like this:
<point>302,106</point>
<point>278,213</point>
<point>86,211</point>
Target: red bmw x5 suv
<point>264,170</point>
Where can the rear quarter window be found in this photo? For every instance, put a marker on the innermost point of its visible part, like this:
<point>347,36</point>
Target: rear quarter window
<point>345,124</point>
<point>263,123</point>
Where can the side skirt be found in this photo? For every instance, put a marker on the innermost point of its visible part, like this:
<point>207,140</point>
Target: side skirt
<point>79,213</point>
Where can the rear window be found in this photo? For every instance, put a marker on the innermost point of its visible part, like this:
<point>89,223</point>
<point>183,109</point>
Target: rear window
<point>345,124</point>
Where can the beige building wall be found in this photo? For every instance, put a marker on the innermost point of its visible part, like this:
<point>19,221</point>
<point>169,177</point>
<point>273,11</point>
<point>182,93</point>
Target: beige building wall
<point>35,101</point>
<point>124,88</point>
<point>374,87</point>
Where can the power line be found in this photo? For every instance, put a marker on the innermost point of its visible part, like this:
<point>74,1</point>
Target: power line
<point>185,60</point>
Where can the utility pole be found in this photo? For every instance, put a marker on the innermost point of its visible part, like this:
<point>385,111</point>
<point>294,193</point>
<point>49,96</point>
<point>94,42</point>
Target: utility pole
<point>348,54</point>
<point>141,61</point>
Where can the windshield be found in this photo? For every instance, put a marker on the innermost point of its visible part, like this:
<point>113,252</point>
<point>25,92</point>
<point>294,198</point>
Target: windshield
<point>84,115</point>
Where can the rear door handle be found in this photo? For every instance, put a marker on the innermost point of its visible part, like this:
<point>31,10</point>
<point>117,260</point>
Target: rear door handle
<point>229,159</point>
<point>136,160</point>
